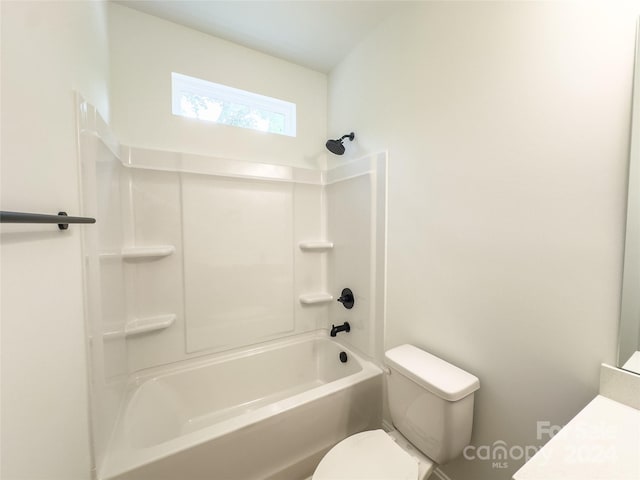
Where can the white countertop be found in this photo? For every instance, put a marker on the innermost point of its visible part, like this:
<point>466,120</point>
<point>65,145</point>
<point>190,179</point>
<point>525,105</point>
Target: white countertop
<point>601,442</point>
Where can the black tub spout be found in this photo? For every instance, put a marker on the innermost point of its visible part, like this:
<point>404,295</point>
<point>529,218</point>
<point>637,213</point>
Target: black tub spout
<point>345,327</point>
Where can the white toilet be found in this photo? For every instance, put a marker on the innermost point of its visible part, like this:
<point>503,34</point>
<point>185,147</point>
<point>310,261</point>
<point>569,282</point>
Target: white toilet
<point>431,404</point>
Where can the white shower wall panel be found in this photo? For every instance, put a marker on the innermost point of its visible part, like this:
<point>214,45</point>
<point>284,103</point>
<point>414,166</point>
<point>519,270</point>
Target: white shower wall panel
<point>105,302</point>
<point>155,283</point>
<point>158,185</point>
<point>237,271</point>
<point>309,210</point>
<point>238,261</point>
<point>350,227</point>
<point>112,298</point>
<point>356,223</point>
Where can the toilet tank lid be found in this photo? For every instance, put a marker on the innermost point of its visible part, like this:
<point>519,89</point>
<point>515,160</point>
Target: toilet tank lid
<point>439,377</point>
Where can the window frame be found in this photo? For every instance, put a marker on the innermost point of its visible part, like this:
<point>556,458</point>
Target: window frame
<point>181,83</point>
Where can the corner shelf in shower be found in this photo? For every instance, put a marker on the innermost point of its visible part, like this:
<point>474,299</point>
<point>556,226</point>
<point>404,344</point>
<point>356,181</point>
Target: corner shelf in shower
<point>319,246</point>
<point>315,298</point>
<point>148,324</point>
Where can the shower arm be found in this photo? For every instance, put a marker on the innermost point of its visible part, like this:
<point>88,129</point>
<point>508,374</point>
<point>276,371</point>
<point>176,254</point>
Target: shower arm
<point>350,136</point>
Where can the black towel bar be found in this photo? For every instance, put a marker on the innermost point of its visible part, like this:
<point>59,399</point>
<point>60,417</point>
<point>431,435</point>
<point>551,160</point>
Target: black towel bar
<point>62,219</point>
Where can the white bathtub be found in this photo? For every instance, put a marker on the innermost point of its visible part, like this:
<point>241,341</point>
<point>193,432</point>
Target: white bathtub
<point>264,413</point>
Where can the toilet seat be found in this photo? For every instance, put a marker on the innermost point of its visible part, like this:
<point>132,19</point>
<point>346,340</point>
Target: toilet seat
<point>367,455</point>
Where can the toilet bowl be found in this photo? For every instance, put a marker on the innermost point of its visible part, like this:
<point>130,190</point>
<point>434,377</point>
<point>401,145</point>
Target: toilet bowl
<point>431,404</point>
<point>374,455</point>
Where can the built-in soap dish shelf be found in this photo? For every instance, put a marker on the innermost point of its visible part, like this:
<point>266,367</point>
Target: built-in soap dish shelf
<point>154,251</point>
<point>138,326</point>
<point>148,324</point>
<point>315,298</point>
<point>148,252</point>
<point>317,246</point>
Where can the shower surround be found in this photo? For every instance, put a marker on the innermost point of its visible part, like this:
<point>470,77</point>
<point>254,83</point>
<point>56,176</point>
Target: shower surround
<point>195,257</point>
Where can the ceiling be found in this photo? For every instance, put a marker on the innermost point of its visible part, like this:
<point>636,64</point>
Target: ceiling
<point>314,33</point>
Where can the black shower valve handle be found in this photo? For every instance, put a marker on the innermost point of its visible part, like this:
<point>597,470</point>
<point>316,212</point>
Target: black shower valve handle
<point>347,299</point>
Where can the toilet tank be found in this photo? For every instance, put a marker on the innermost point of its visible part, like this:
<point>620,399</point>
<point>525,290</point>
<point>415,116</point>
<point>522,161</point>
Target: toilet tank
<point>431,402</point>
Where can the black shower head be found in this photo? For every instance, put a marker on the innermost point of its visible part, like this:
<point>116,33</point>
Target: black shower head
<point>336,147</point>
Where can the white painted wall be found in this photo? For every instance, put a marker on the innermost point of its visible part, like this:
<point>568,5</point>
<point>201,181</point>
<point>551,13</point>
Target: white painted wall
<point>507,125</point>
<point>48,50</point>
<point>145,50</point>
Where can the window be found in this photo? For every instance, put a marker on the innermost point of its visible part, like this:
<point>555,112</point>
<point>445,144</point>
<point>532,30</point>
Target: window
<point>196,98</point>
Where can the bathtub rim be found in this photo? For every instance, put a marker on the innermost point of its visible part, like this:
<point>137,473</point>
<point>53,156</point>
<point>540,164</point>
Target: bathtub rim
<point>139,377</point>
<point>122,460</point>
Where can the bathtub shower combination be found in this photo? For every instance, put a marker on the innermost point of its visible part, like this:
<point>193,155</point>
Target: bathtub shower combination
<point>265,412</point>
<point>211,294</point>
